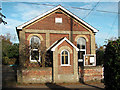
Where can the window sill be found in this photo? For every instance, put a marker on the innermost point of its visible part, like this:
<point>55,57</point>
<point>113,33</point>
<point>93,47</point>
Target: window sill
<point>89,65</point>
<point>34,61</point>
<point>80,60</point>
<point>65,65</point>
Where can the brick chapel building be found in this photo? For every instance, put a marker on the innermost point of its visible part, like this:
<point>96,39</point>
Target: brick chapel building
<point>70,39</point>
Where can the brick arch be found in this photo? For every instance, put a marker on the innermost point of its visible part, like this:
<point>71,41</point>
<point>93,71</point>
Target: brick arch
<point>78,36</point>
<point>38,35</point>
<point>65,47</point>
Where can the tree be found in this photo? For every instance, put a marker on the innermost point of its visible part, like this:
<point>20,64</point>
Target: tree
<point>100,55</point>
<point>1,19</point>
<point>10,51</point>
<point>112,65</point>
<point>45,61</point>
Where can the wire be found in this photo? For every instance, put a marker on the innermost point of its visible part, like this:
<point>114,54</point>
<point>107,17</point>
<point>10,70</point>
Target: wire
<point>112,25</point>
<point>38,4</point>
<point>91,10</point>
<point>71,7</point>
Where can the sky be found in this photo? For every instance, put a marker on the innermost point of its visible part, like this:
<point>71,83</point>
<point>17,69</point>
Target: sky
<point>18,13</point>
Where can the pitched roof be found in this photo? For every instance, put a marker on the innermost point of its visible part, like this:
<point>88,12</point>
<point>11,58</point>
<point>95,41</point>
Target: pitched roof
<point>58,42</point>
<point>55,8</point>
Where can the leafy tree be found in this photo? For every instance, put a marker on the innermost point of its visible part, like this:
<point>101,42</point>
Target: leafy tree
<point>45,61</point>
<point>1,19</point>
<point>100,55</point>
<point>112,65</point>
<point>6,43</point>
<point>10,51</point>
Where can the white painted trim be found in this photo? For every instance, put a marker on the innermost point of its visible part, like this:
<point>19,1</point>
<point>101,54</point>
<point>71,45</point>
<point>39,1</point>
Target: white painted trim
<point>65,39</point>
<point>34,50</point>
<point>31,38</point>
<point>65,65</point>
<point>90,55</point>
<point>59,6</point>
<point>82,60</point>
<point>68,58</point>
<point>31,57</point>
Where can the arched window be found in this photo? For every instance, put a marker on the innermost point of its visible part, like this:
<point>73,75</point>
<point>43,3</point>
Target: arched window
<point>34,51</point>
<point>65,58</point>
<point>81,44</point>
<point>34,42</point>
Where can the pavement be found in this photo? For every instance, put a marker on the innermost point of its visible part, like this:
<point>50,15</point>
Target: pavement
<point>75,86</point>
<point>9,82</point>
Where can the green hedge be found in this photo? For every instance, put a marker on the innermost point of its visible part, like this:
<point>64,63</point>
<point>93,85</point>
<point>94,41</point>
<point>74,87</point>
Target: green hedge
<point>112,65</point>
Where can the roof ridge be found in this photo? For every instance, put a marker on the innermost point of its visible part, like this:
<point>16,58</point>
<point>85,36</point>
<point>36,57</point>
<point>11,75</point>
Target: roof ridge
<point>53,9</point>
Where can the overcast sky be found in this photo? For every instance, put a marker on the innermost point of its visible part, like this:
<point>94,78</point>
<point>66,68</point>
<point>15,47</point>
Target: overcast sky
<point>18,13</point>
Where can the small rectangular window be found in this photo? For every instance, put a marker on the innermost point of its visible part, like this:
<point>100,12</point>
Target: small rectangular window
<point>58,20</point>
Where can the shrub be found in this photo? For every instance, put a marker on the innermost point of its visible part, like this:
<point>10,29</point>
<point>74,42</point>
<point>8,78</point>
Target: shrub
<point>5,60</point>
<point>10,51</point>
<point>100,57</point>
<point>112,65</point>
<point>8,61</point>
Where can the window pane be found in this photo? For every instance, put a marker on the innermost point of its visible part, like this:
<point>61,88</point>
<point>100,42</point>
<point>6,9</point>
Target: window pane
<point>62,59</point>
<point>62,53</point>
<point>66,59</point>
<point>81,54</point>
<point>34,55</point>
<point>35,42</point>
<point>78,46</point>
<point>66,53</point>
<point>78,54</point>
<point>83,46</point>
<point>81,42</point>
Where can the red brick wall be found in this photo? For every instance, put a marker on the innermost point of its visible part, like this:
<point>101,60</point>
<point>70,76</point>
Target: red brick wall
<point>35,75</point>
<point>55,37</point>
<point>65,69</point>
<point>36,72</point>
<point>48,23</point>
<point>92,73</point>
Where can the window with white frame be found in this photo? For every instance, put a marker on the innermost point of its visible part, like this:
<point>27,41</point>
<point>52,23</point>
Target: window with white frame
<point>58,20</point>
<point>81,44</point>
<point>34,49</point>
<point>65,58</point>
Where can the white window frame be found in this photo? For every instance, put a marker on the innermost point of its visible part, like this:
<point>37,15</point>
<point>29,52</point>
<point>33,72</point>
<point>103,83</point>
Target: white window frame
<point>31,56</point>
<point>58,20</point>
<point>34,50</point>
<point>94,64</point>
<point>68,58</point>
<point>82,60</point>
